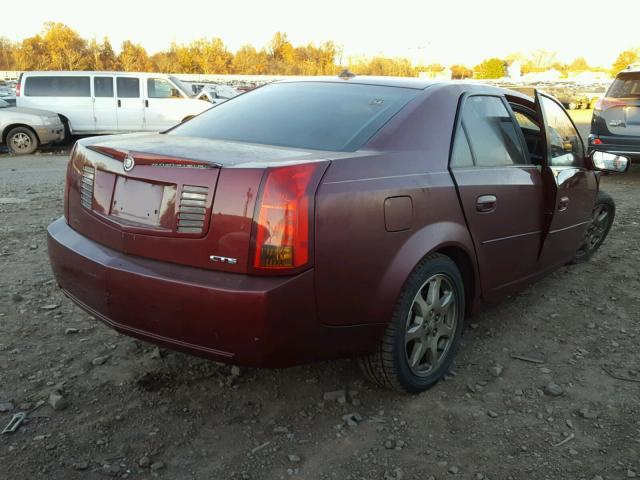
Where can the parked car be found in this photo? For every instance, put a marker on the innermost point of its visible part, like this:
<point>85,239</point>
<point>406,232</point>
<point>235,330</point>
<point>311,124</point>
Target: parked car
<point>310,220</point>
<point>213,92</point>
<point>615,125</point>
<point>8,95</point>
<point>108,102</point>
<point>217,93</point>
<point>23,130</point>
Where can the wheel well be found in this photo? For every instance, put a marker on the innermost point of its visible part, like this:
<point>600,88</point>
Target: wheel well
<point>465,265</point>
<point>15,125</point>
<point>66,121</point>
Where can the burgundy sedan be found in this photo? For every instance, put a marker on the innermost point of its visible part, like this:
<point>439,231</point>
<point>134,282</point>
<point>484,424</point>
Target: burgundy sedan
<point>309,220</point>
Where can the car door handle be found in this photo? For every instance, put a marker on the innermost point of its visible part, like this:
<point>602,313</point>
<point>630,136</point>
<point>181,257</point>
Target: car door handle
<point>486,203</point>
<point>146,103</point>
<point>119,103</point>
<point>563,203</point>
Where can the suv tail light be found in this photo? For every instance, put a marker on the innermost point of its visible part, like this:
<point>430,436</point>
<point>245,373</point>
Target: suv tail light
<point>283,219</point>
<point>604,103</point>
<point>18,89</point>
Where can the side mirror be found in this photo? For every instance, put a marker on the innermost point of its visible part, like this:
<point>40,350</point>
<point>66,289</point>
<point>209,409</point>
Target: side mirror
<point>610,162</point>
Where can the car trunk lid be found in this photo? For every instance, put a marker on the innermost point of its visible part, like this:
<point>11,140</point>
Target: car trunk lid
<point>177,199</point>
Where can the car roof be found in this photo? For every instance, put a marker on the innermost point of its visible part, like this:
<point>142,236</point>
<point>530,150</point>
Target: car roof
<point>415,83</point>
<point>633,68</point>
<point>76,73</point>
<point>405,82</point>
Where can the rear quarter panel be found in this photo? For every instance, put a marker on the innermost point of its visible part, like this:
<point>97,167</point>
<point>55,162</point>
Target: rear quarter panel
<point>360,266</point>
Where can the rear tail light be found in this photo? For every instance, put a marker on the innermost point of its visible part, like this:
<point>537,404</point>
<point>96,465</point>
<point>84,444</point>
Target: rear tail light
<point>605,103</point>
<point>18,89</point>
<point>284,217</point>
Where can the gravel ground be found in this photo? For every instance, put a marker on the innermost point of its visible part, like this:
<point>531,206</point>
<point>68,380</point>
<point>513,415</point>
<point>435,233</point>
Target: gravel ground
<point>545,385</point>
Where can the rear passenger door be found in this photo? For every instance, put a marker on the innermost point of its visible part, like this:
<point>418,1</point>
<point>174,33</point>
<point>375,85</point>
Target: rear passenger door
<point>104,104</point>
<point>130,106</point>
<point>570,185</point>
<point>501,193</point>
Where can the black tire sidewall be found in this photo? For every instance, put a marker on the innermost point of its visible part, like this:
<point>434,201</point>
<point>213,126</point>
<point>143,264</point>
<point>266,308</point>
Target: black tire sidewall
<point>67,131</point>
<point>603,198</point>
<point>34,140</point>
<point>439,265</point>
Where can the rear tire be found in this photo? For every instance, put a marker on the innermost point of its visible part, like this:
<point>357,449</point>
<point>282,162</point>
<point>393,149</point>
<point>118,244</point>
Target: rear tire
<point>22,141</point>
<point>420,342</point>
<point>602,216</point>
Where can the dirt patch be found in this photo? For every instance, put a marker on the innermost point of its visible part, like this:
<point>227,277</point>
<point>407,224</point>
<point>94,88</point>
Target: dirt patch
<point>568,408</point>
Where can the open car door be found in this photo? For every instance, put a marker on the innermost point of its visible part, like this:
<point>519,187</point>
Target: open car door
<point>570,185</point>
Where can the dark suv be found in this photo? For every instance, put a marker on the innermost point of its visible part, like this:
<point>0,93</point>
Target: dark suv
<point>615,126</point>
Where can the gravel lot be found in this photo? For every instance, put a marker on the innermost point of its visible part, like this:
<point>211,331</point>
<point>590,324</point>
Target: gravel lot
<point>567,408</point>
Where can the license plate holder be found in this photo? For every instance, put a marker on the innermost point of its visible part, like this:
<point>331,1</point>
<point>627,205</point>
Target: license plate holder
<point>137,201</point>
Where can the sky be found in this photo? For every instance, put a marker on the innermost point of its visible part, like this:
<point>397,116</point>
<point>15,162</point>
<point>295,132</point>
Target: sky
<point>444,31</point>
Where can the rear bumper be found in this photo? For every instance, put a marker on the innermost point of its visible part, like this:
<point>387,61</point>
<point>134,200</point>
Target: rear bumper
<point>630,147</point>
<point>232,318</point>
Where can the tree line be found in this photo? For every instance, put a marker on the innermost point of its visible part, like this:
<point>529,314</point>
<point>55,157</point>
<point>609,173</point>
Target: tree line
<point>59,47</point>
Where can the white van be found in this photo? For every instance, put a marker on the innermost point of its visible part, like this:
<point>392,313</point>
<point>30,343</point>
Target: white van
<point>110,102</point>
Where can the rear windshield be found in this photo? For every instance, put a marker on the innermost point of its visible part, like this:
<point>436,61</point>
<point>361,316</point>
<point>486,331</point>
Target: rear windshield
<point>626,85</point>
<point>313,115</point>
<point>57,86</point>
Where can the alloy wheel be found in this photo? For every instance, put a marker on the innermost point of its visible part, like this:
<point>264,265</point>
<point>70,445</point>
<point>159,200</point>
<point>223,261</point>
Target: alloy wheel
<point>597,229</point>
<point>431,325</point>
<point>20,142</point>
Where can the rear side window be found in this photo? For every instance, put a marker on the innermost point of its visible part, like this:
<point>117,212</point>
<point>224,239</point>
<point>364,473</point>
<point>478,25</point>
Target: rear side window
<point>128,87</point>
<point>626,85</point>
<point>461,155</point>
<point>103,86</point>
<point>314,115</point>
<point>57,86</point>
<point>492,135</point>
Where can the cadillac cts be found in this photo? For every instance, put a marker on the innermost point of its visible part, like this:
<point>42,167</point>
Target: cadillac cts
<point>309,220</point>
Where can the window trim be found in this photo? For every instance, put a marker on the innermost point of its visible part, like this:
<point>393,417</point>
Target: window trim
<point>458,124</point>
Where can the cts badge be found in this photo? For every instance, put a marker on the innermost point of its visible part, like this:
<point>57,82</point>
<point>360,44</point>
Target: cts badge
<point>128,163</point>
<point>219,259</point>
